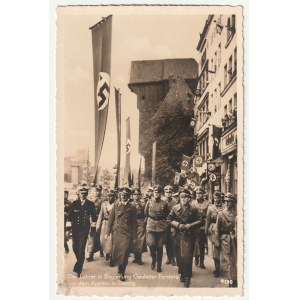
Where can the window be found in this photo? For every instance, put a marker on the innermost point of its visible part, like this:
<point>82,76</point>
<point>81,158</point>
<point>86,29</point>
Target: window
<point>219,95</point>
<point>225,110</point>
<point>215,61</point>
<point>203,146</point>
<point>235,100</point>
<point>203,58</point>
<point>216,99</point>
<point>230,68</point>
<point>228,29</point>
<point>225,75</point>
<point>235,61</point>
<point>219,55</point>
<point>230,106</point>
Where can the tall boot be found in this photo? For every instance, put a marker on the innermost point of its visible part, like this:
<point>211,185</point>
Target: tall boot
<point>101,251</point>
<point>91,257</point>
<point>140,259</point>
<point>136,255</point>
<point>122,273</point>
<point>217,266</point>
<point>187,282</point>
<point>159,259</point>
<point>201,262</point>
<point>196,260</point>
<point>153,255</point>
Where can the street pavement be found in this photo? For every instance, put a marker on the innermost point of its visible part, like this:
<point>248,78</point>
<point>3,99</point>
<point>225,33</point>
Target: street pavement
<point>98,273</point>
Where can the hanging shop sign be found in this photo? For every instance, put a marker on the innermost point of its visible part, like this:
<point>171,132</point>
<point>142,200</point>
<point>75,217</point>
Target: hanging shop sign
<point>229,141</point>
<point>212,177</point>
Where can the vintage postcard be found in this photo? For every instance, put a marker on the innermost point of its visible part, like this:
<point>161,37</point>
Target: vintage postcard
<point>150,159</point>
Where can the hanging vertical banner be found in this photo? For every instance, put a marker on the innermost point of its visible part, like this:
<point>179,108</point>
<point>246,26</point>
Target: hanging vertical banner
<point>186,160</point>
<point>128,150</point>
<point>118,119</point>
<point>153,163</point>
<point>101,42</point>
<point>177,178</point>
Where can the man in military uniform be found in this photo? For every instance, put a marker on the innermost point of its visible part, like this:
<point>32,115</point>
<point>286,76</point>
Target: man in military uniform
<point>140,243</point>
<point>201,204</point>
<point>101,225</point>
<point>211,230</point>
<point>226,233</point>
<point>150,192</point>
<point>168,191</point>
<point>67,205</point>
<point>82,218</point>
<point>122,225</point>
<point>93,243</point>
<point>184,218</point>
<point>156,210</point>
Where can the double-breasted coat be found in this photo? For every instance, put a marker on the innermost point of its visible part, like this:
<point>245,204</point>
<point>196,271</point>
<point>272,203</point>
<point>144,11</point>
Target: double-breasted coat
<point>185,239</point>
<point>81,217</point>
<point>122,225</point>
<point>226,233</point>
<point>140,243</point>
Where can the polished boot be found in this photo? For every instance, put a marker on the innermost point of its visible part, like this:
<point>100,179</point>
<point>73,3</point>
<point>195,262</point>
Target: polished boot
<point>91,257</point>
<point>153,255</point>
<point>196,260</point>
<point>122,272</point>
<point>159,259</point>
<point>233,283</point>
<point>66,248</point>
<point>139,262</point>
<point>187,282</point>
<point>111,262</point>
<point>101,252</point>
<point>107,256</point>
<point>217,266</point>
<point>182,278</point>
<point>173,262</point>
<point>201,262</point>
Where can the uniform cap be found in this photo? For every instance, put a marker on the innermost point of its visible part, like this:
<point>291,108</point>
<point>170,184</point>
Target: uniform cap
<point>125,189</point>
<point>112,193</point>
<point>217,194</point>
<point>200,190</point>
<point>136,191</point>
<point>83,189</point>
<point>229,197</point>
<point>168,188</point>
<point>150,189</point>
<point>66,191</point>
<point>185,192</point>
<point>158,188</point>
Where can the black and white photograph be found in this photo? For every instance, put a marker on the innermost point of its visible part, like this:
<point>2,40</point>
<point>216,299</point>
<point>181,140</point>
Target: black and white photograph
<point>149,150</point>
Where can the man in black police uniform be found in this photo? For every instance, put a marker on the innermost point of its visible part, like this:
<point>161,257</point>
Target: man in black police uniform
<point>168,191</point>
<point>156,211</point>
<point>82,218</point>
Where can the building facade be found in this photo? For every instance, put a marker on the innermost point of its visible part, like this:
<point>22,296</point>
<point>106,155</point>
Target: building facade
<point>216,99</point>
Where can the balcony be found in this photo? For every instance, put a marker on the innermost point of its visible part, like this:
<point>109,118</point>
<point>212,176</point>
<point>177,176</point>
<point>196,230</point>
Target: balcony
<point>229,120</point>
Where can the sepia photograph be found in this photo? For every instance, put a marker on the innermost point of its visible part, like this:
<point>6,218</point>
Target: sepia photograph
<point>149,150</point>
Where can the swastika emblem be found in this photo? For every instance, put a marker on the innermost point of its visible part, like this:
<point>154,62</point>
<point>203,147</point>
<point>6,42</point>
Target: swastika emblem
<point>102,93</point>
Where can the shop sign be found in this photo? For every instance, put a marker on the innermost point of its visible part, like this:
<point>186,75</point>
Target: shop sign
<point>229,141</point>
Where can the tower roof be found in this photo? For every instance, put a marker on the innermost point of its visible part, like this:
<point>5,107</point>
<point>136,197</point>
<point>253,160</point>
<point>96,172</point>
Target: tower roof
<point>158,70</point>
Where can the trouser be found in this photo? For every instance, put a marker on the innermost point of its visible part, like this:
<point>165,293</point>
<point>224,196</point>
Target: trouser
<point>155,241</point>
<point>79,244</point>
<point>202,241</point>
<point>121,269</point>
<point>66,246</point>
<point>169,245</point>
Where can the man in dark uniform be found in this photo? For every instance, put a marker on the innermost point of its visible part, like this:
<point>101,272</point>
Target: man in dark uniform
<point>82,218</point>
<point>201,204</point>
<point>93,243</point>
<point>122,225</point>
<point>168,191</point>
<point>150,192</point>
<point>226,233</point>
<point>156,210</point>
<point>67,205</point>
<point>184,218</point>
<point>140,244</point>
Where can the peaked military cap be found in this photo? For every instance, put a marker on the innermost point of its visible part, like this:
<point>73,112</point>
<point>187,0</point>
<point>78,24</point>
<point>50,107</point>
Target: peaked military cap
<point>185,192</point>
<point>168,188</point>
<point>112,193</point>
<point>229,197</point>
<point>125,189</point>
<point>217,194</point>
<point>200,190</point>
<point>136,191</point>
<point>158,188</point>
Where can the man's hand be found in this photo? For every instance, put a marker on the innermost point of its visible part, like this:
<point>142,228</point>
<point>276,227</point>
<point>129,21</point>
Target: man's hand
<point>181,227</point>
<point>187,226</point>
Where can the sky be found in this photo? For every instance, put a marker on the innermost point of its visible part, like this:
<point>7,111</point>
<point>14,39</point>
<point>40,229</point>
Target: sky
<point>138,33</point>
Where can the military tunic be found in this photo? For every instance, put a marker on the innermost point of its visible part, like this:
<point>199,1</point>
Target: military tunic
<point>80,217</point>
<point>67,205</point>
<point>140,244</point>
<point>202,208</point>
<point>157,226</point>
<point>184,240</point>
<point>93,243</point>
<point>170,232</point>
<point>122,225</point>
<point>226,224</point>
<point>211,229</point>
<point>101,226</point>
